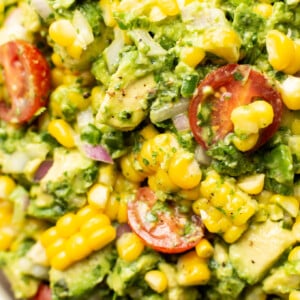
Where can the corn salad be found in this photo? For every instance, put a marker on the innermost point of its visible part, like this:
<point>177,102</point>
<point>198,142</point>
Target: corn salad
<point>150,149</point>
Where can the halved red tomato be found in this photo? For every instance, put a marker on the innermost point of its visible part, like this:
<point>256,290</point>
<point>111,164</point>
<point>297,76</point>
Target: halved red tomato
<point>43,293</point>
<point>27,79</point>
<point>220,92</point>
<point>161,225</point>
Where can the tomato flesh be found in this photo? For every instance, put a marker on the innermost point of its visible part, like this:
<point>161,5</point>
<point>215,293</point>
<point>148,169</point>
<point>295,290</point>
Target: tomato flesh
<point>27,79</point>
<point>223,90</point>
<point>161,225</point>
<point>43,293</point>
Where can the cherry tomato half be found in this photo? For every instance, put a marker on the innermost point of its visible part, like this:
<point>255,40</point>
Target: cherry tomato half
<point>43,293</point>
<point>220,92</point>
<point>161,225</point>
<point>27,79</point>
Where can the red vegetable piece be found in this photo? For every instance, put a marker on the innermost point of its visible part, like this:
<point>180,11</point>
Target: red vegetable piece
<point>27,79</point>
<point>223,90</point>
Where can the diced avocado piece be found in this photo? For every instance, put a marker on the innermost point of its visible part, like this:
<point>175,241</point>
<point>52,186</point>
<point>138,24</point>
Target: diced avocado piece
<point>125,274</point>
<point>127,107</point>
<point>69,177</point>
<point>283,279</point>
<point>259,248</point>
<point>23,285</point>
<point>81,277</point>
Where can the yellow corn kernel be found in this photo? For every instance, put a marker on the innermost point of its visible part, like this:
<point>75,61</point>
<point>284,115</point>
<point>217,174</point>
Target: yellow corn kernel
<point>280,49</point>
<point>294,255</point>
<point>101,237</point>
<point>107,174</point>
<point>214,220</point>
<point>149,132</point>
<point>112,206</point>
<point>245,143</point>
<point>107,12</point>
<point>78,100</point>
<point>129,246</point>
<point>168,7</point>
<point>294,66</point>
<point>209,185</point>
<point>49,236</point>
<point>57,60</point>
<point>233,233</point>
<point>98,195</point>
<point>6,238</point>
<point>191,194</point>
<point>7,185</point>
<point>57,78</point>
<point>192,270</point>
<point>61,261</point>
<point>192,56</point>
<point>128,170</point>
<point>221,195</point>
<point>122,211</point>
<point>124,185</point>
<point>184,170</point>
<point>243,214</point>
<point>224,42</point>
<point>54,248</point>
<point>204,249</point>
<point>294,295</point>
<point>75,50</point>
<point>157,280</point>
<point>244,120</point>
<point>288,203</point>
<point>77,247</point>
<point>263,112</point>
<point>161,181</point>
<point>62,132</point>
<point>290,92</point>
<point>62,32</point>
<point>94,223</point>
<point>155,153</point>
<point>263,9</point>
<point>67,225</point>
<point>252,184</point>
<point>86,213</point>
<point>199,205</point>
<point>295,127</point>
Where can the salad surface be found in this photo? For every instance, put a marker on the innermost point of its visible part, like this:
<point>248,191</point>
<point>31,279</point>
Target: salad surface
<point>150,149</point>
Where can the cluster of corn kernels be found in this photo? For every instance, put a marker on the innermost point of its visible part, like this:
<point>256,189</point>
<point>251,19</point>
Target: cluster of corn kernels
<point>7,230</point>
<point>283,52</point>
<point>224,208</point>
<point>248,120</point>
<point>77,235</point>
<point>168,167</point>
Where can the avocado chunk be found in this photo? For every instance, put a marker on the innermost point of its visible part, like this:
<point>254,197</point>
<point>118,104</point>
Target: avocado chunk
<point>283,279</point>
<point>81,277</point>
<point>259,248</point>
<point>127,107</point>
<point>126,274</point>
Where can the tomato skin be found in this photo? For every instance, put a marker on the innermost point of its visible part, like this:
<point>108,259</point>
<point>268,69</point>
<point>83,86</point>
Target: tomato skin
<point>163,235</point>
<point>241,92</point>
<point>43,293</point>
<point>27,79</point>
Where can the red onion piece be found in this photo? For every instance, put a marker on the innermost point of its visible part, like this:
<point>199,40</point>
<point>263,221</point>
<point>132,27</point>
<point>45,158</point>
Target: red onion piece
<point>181,122</point>
<point>42,169</point>
<point>123,228</point>
<point>97,152</point>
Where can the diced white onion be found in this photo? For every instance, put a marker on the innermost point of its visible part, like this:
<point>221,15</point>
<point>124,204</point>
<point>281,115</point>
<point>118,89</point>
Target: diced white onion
<point>84,31</point>
<point>181,122</point>
<point>201,156</point>
<point>42,8</point>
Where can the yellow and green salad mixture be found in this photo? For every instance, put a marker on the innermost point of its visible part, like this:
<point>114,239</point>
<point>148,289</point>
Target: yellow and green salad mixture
<point>150,149</point>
